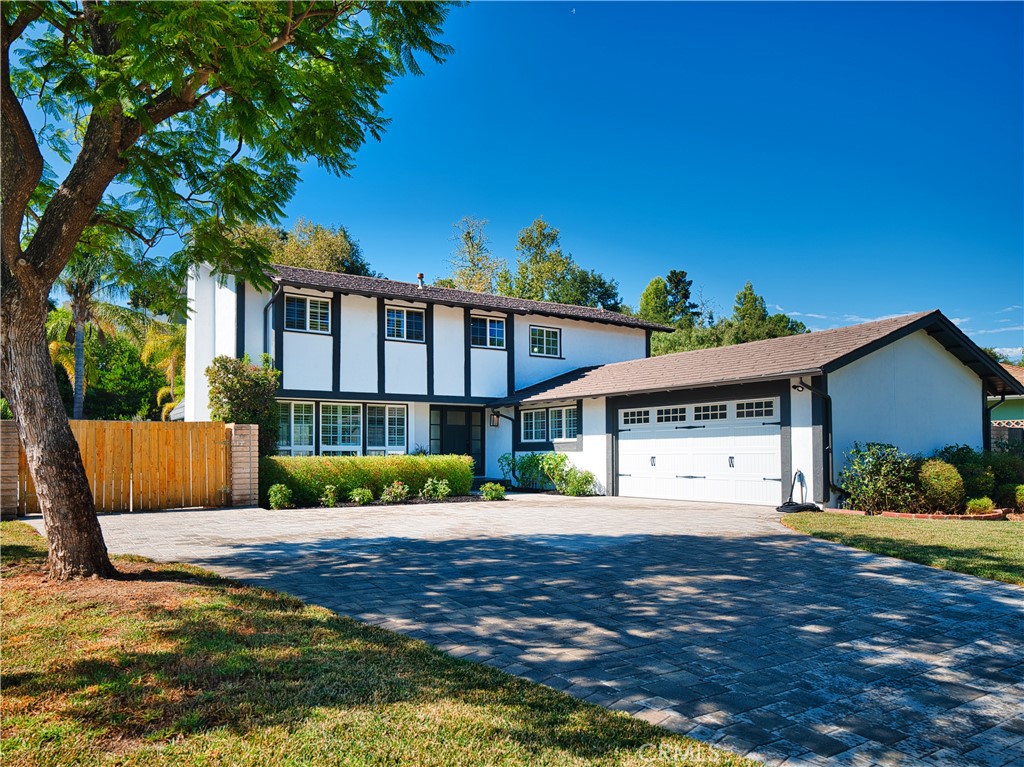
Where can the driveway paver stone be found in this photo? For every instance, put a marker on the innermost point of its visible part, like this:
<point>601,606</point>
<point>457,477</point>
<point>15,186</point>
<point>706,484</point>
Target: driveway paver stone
<point>711,620</point>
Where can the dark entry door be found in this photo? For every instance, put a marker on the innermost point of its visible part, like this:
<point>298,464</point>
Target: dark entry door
<point>461,433</point>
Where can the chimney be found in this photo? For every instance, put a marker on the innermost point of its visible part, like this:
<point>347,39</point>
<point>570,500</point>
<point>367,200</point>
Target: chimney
<point>419,279</point>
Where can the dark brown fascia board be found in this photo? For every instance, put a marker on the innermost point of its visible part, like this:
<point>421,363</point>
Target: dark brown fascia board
<point>508,401</point>
<point>928,323</point>
<point>469,305</point>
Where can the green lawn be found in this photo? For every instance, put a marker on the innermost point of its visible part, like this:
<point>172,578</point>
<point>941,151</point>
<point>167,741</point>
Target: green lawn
<point>993,550</point>
<point>172,665</point>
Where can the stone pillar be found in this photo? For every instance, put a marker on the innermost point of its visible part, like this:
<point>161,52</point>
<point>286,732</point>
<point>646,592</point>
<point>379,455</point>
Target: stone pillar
<point>245,464</point>
<point>10,446</point>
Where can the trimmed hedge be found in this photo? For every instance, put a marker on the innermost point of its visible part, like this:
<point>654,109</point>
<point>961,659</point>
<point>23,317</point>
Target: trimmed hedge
<point>307,476</point>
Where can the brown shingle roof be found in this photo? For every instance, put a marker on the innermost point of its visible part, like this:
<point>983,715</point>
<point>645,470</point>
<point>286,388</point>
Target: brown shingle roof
<point>775,358</point>
<point>410,291</point>
<point>1015,370</point>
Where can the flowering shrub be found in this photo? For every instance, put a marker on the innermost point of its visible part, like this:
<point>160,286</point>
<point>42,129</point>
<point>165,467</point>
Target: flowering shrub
<point>396,492</point>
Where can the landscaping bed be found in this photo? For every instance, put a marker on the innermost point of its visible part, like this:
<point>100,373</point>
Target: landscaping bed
<point>172,665</point>
<point>994,551</point>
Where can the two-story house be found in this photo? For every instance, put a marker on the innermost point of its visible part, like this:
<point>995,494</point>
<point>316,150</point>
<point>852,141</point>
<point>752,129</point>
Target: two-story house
<point>373,366</point>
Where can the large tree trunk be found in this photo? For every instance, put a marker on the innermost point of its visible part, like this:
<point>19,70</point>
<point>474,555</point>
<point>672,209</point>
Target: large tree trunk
<point>54,461</point>
<point>79,404</point>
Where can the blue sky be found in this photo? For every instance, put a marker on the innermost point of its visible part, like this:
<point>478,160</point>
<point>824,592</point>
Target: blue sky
<point>852,160</point>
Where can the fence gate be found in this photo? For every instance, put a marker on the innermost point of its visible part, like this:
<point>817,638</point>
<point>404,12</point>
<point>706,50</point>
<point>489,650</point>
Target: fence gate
<point>144,466</point>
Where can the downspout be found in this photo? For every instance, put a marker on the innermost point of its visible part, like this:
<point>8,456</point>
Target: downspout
<point>829,453</point>
<point>266,325</point>
<point>512,468</point>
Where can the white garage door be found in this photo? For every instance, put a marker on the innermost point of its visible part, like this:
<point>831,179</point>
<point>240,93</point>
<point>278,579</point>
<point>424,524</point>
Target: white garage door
<point>729,452</point>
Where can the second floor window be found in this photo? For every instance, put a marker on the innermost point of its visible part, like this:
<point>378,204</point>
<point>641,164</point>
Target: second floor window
<point>487,332</point>
<point>545,342</point>
<point>405,324</point>
<point>310,314</point>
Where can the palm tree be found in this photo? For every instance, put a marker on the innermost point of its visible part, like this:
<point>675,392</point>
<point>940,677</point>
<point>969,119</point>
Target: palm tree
<point>165,344</point>
<point>85,280</point>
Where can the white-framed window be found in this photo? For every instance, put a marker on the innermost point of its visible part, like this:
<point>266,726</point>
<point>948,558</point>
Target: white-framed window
<point>308,314</point>
<point>718,412</point>
<point>545,342</point>
<point>634,417</point>
<point>562,423</point>
<point>670,414</point>
<point>385,429</point>
<point>295,428</point>
<point>756,409</point>
<point>341,429</point>
<point>534,425</point>
<point>405,324</point>
<point>487,332</point>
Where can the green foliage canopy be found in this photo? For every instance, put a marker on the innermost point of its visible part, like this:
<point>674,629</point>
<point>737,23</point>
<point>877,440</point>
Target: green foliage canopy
<point>241,392</point>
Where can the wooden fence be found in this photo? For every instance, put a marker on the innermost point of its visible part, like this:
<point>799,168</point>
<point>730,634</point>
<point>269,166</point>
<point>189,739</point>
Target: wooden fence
<point>144,466</point>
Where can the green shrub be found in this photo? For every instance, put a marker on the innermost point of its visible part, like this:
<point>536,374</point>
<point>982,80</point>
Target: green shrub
<point>979,479</point>
<point>1006,496</point>
<point>880,477</point>
<point>280,497</point>
<point>567,479</point>
<point>941,486</point>
<point>308,476</point>
<point>492,491</point>
<point>580,482</point>
<point>435,489</point>
<point>330,496</point>
<point>1019,497</point>
<point>396,492</point>
<point>525,469</point>
<point>980,505</point>
<point>1007,468</point>
<point>361,496</point>
<point>241,392</point>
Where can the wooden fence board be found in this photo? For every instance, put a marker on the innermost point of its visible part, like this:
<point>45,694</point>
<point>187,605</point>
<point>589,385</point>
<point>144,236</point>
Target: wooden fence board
<point>145,466</point>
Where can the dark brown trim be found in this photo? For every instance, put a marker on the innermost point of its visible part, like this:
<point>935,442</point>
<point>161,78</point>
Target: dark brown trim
<point>336,341</point>
<point>510,346</point>
<point>279,336</point>
<point>239,318</point>
<point>381,345</point>
<point>467,347</point>
<point>428,331</point>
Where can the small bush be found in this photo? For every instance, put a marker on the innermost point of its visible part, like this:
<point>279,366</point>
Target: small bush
<point>1006,496</point>
<point>526,469</point>
<point>979,479</point>
<point>980,505</point>
<point>567,479</point>
<point>280,497</point>
<point>492,491</point>
<point>241,392</point>
<point>330,496</point>
<point>396,492</point>
<point>1019,496</point>
<point>580,482</point>
<point>308,476</point>
<point>1007,468</point>
<point>435,489</point>
<point>880,477</point>
<point>361,496</point>
<point>941,486</point>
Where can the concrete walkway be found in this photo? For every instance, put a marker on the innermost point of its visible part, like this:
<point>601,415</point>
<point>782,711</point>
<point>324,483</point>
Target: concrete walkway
<point>714,621</point>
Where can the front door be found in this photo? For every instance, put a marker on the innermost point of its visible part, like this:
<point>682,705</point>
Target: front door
<point>461,433</point>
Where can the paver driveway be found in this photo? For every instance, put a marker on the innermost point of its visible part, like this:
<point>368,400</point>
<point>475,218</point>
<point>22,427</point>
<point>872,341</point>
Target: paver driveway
<point>710,620</point>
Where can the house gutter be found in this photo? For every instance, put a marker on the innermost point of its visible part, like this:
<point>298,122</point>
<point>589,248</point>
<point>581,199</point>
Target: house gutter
<point>266,325</point>
<point>829,452</point>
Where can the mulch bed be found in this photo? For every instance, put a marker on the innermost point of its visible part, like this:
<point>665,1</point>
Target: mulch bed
<point>415,501</point>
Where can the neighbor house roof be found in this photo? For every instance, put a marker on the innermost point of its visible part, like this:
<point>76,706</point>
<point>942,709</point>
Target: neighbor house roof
<point>411,291</point>
<point>806,354</point>
<point>1016,371</point>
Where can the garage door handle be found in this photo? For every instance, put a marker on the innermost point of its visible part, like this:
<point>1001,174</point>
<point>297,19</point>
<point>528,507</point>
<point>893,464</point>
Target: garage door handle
<point>771,423</point>
<point>691,427</point>
<point>771,479</point>
<point>629,475</point>
<point>690,476</point>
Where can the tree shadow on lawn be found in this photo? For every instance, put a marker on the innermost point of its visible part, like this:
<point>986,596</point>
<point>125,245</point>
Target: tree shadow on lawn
<point>210,653</point>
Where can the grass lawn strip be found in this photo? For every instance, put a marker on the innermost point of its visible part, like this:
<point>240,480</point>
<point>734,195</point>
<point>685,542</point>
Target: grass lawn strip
<point>993,550</point>
<point>172,665</point>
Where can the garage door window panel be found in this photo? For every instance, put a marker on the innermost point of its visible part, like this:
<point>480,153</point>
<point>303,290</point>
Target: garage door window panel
<point>636,417</point>
<point>756,409</point>
<point>717,412</point>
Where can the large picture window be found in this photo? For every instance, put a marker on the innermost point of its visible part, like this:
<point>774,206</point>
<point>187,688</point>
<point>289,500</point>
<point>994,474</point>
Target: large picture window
<point>487,332</point>
<point>308,314</point>
<point>295,428</point>
<point>405,324</point>
<point>341,430</point>
<point>545,342</point>
<point>534,425</point>
<point>385,429</point>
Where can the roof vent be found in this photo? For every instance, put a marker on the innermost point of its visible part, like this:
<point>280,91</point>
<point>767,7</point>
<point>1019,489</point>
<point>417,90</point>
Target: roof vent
<point>419,279</point>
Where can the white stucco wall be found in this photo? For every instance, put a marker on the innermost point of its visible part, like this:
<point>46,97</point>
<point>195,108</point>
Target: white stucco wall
<point>255,301</point>
<point>802,441</point>
<point>497,440</point>
<point>583,343</point>
<point>594,456</point>
<point>449,351</point>
<point>419,425</point>
<point>210,331</point>
<point>405,367</point>
<point>308,358</point>
<point>489,371</point>
<point>912,394</point>
<point>358,344</point>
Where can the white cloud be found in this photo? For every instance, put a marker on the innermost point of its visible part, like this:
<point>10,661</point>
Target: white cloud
<point>1013,308</point>
<point>959,321</point>
<point>997,330</point>
<point>858,318</point>
<point>1013,352</point>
